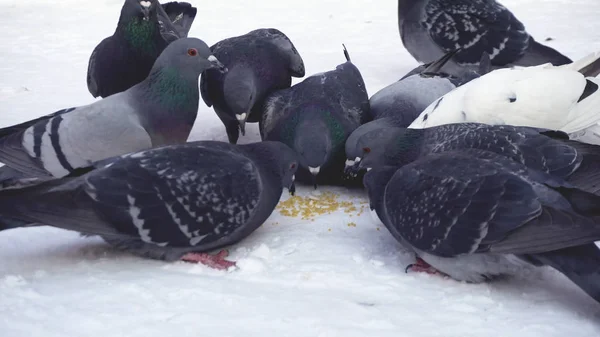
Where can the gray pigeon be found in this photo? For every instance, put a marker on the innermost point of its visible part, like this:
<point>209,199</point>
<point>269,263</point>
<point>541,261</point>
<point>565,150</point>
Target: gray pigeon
<point>315,116</point>
<point>166,203</point>
<point>431,28</point>
<point>547,151</point>
<point>160,110</point>
<point>475,216</point>
<point>259,62</point>
<point>144,30</point>
<point>398,104</point>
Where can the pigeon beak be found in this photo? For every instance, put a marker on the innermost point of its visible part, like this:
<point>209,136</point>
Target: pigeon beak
<point>215,63</point>
<point>242,121</point>
<point>292,187</point>
<point>146,9</point>
<point>353,166</point>
<point>314,171</point>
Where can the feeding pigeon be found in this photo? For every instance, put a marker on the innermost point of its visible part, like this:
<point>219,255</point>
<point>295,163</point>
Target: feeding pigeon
<point>259,62</point>
<point>431,28</point>
<point>144,30</point>
<point>160,110</point>
<point>474,216</point>
<point>315,116</point>
<point>398,104</point>
<point>544,150</point>
<point>168,203</point>
<point>557,98</point>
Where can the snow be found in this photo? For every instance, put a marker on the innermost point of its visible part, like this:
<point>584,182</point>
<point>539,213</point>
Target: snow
<point>338,274</point>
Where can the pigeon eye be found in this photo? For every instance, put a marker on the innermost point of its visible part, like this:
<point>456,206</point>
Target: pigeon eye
<point>192,52</point>
<point>293,166</point>
<point>366,149</point>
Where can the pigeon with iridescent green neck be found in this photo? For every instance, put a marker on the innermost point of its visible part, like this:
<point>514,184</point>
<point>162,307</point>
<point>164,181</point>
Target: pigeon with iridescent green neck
<point>315,116</point>
<point>259,62</point>
<point>160,110</point>
<point>144,30</point>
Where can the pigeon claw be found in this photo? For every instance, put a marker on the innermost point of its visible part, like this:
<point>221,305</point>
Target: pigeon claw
<point>216,261</point>
<point>423,267</point>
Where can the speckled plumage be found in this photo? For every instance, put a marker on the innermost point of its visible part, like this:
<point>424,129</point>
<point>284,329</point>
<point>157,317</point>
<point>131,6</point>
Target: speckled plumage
<point>430,28</point>
<point>259,62</point>
<point>124,59</point>
<point>475,215</point>
<point>315,117</point>
<point>164,202</point>
<point>542,150</point>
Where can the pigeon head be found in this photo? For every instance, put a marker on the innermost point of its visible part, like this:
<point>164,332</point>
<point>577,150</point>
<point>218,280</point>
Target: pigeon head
<point>389,147</point>
<point>370,148</point>
<point>354,150</point>
<point>375,182</point>
<point>313,145</point>
<point>279,161</point>
<point>189,56</point>
<point>239,90</point>
<point>139,9</point>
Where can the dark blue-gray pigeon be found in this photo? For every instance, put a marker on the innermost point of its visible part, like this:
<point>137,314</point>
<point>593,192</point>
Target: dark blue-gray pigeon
<point>548,151</point>
<point>160,110</point>
<point>315,116</point>
<point>259,63</point>
<point>431,28</point>
<point>476,216</point>
<point>144,30</point>
<point>398,104</point>
<point>169,203</point>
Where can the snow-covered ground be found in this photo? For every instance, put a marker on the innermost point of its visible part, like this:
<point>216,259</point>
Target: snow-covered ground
<point>301,274</point>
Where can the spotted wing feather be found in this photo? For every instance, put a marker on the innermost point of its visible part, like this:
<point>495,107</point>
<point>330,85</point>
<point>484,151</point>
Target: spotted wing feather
<point>178,197</point>
<point>523,145</point>
<point>475,27</point>
<point>449,206</point>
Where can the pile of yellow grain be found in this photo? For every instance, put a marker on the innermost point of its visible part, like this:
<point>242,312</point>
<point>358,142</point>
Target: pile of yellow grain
<point>311,206</point>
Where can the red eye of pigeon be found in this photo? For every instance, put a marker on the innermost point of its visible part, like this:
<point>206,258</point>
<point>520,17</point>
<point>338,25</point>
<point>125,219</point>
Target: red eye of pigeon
<point>192,52</point>
<point>366,149</point>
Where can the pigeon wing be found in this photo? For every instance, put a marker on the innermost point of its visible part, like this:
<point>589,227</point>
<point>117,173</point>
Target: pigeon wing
<point>449,205</point>
<point>475,27</point>
<point>176,196</point>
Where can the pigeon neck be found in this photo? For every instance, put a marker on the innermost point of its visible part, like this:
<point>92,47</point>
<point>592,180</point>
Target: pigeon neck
<point>376,181</point>
<point>267,162</point>
<point>405,147</point>
<point>140,34</point>
<point>337,134</point>
<point>173,88</point>
<point>171,100</point>
<point>239,89</point>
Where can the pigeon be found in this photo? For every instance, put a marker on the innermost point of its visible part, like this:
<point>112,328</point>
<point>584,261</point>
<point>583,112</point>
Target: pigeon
<point>398,104</point>
<point>476,216</point>
<point>160,110</point>
<point>315,116</point>
<point>549,97</point>
<point>169,203</point>
<point>543,150</point>
<point>144,30</point>
<point>431,28</point>
<point>259,63</point>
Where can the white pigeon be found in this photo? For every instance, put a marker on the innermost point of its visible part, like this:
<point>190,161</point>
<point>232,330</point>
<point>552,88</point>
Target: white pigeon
<point>544,96</point>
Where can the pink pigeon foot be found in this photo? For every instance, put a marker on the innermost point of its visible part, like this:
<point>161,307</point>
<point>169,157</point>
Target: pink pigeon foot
<point>216,261</point>
<point>423,267</point>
